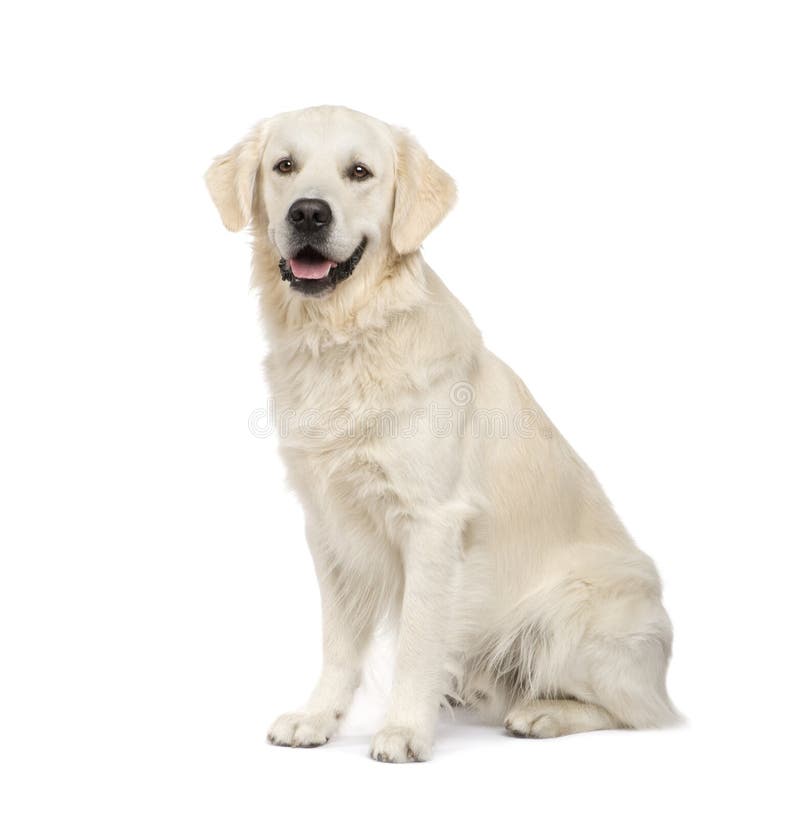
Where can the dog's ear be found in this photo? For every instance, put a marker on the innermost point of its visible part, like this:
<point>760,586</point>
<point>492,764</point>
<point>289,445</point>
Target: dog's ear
<point>231,179</point>
<point>423,196</point>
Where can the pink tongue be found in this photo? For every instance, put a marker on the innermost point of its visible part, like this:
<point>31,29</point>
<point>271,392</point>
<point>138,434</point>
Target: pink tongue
<point>309,269</point>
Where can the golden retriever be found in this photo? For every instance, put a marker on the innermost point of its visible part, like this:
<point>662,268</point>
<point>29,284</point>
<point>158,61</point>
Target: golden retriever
<point>436,491</point>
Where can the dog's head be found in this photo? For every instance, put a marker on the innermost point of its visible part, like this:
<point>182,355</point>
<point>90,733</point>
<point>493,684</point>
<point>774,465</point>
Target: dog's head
<point>329,186</point>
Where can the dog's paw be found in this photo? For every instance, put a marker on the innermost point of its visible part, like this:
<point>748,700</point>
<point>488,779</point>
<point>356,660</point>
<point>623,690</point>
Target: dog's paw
<point>400,744</point>
<point>527,725</point>
<point>550,718</point>
<point>303,729</point>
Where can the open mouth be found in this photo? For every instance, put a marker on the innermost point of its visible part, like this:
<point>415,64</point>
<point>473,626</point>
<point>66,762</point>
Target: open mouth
<point>312,273</point>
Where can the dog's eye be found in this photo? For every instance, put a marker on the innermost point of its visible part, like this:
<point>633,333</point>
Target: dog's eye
<point>284,166</point>
<point>360,172</point>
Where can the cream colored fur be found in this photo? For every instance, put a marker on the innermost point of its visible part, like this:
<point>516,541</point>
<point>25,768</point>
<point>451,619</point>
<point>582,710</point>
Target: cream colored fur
<point>513,582</point>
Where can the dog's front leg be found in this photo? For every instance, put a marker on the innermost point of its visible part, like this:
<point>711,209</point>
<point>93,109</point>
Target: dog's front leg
<point>429,561</point>
<point>347,625</point>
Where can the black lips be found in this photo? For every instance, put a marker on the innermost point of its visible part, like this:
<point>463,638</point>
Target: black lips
<point>318,286</point>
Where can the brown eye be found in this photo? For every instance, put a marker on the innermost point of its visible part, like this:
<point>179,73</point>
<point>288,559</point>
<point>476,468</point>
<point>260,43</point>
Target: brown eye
<point>284,166</point>
<point>360,172</point>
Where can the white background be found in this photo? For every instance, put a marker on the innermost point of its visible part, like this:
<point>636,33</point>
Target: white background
<point>626,238</point>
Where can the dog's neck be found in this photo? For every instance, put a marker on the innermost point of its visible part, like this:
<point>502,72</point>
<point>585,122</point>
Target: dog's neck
<point>381,288</point>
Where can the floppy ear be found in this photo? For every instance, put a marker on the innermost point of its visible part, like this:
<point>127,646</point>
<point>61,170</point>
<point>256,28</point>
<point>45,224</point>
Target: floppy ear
<point>424,194</point>
<point>231,179</point>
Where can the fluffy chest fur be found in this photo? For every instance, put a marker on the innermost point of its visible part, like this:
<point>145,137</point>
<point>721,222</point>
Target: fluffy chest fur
<point>358,418</point>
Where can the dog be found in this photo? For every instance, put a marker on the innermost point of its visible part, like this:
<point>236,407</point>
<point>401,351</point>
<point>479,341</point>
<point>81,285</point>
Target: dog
<point>437,493</point>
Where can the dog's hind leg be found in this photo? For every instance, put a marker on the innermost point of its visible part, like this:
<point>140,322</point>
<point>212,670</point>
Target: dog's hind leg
<point>609,684</point>
<point>601,666</point>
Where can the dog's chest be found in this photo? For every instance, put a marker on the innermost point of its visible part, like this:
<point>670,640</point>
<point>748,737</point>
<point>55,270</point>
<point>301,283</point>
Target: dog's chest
<point>354,429</point>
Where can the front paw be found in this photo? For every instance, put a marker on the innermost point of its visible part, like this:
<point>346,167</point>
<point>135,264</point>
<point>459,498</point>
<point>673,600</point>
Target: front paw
<point>303,729</point>
<point>400,744</point>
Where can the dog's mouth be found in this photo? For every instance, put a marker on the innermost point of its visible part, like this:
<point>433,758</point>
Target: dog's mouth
<point>312,273</point>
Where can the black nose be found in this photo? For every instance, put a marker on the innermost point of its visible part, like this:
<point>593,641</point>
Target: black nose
<point>309,215</point>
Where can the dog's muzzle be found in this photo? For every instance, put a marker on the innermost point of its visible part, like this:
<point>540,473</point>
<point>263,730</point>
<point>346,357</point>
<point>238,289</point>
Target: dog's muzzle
<point>311,273</point>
